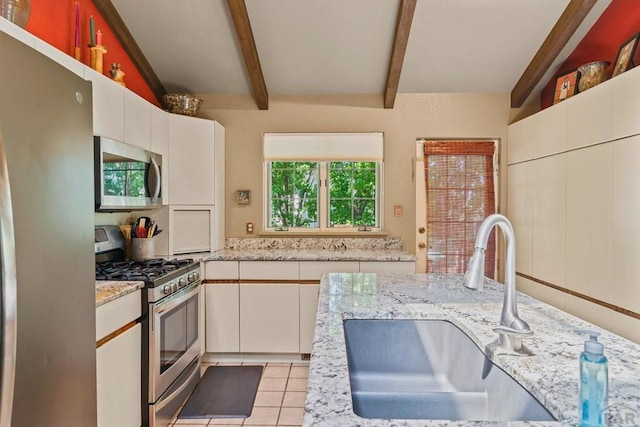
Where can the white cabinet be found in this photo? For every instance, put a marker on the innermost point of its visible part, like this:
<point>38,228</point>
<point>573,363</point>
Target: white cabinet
<point>387,267</point>
<point>313,270</point>
<point>221,270</point>
<point>222,317</point>
<point>308,309</point>
<point>118,362</point>
<point>625,107</point>
<point>108,106</point>
<point>269,270</point>
<point>192,150</point>
<point>589,117</point>
<point>160,145</point>
<point>269,318</point>
<point>137,120</point>
<point>118,378</point>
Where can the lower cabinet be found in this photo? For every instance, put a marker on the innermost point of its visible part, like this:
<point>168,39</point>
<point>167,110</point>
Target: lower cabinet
<point>119,380</point>
<point>222,317</point>
<point>308,308</point>
<point>269,318</point>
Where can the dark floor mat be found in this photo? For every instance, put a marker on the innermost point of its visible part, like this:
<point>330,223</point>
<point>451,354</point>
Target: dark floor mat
<point>224,392</point>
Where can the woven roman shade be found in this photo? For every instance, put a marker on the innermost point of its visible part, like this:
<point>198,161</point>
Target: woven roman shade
<point>460,195</point>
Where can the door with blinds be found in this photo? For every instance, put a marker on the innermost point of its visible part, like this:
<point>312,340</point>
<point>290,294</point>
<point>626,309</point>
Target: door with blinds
<point>460,194</point>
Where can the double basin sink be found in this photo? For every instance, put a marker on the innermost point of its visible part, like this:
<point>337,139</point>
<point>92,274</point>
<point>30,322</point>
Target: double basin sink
<point>429,369</point>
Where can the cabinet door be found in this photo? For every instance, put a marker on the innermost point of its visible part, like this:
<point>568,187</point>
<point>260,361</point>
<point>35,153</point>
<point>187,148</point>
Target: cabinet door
<point>313,270</point>
<point>308,309</point>
<point>192,166</point>
<point>119,379</point>
<point>108,106</point>
<point>387,267</point>
<point>222,325</point>
<point>269,318</point>
<point>137,120</point>
<point>160,145</point>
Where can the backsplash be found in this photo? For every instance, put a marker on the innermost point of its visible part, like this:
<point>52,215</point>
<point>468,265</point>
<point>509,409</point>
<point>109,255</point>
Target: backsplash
<point>314,243</point>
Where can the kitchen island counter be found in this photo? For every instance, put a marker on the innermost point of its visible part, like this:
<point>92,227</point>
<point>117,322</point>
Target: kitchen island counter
<point>107,291</point>
<point>550,374</point>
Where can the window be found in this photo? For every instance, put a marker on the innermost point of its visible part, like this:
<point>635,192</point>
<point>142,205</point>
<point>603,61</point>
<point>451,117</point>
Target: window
<point>323,182</point>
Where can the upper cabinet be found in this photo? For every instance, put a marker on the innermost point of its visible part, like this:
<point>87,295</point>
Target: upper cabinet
<point>196,150</point>
<point>108,106</point>
<point>137,120</point>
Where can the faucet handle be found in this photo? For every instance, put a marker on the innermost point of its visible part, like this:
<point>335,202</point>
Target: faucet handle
<point>512,331</point>
<point>510,339</point>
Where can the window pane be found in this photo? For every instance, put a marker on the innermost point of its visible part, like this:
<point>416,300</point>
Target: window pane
<point>340,212</point>
<point>294,194</point>
<point>352,194</point>
<point>364,212</point>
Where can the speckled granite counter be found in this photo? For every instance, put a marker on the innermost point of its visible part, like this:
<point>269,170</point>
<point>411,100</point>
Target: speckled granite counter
<point>551,374</point>
<point>107,291</point>
<point>304,255</point>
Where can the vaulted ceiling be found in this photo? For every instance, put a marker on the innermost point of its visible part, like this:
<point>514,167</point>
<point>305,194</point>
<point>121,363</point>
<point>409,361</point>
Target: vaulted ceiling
<point>284,47</point>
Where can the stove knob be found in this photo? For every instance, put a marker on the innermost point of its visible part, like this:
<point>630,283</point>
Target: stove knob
<point>166,290</point>
<point>191,277</point>
<point>174,287</point>
<point>197,275</point>
<point>182,282</point>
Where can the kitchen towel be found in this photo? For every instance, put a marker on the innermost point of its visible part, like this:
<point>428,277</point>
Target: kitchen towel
<point>224,392</point>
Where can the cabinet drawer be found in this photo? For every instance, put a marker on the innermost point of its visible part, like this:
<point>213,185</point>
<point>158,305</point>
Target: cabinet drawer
<point>313,270</point>
<point>115,314</point>
<point>269,270</point>
<point>221,270</point>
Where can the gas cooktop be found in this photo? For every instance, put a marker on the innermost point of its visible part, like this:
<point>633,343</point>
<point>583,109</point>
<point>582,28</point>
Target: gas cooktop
<point>147,270</point>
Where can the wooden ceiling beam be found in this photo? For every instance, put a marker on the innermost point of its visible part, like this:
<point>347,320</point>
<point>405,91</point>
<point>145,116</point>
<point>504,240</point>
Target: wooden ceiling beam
<point>400,40</point>
<point>562,31</point>
<point>240,17</point>
<point>117,25</point>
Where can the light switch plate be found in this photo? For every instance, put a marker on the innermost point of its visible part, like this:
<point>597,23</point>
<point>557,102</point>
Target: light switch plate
<point>398,210</point>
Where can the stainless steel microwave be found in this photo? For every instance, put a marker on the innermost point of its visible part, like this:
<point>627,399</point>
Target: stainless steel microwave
<point>127,178</point>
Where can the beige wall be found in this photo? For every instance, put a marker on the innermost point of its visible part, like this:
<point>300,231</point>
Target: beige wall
<point>414,116</point>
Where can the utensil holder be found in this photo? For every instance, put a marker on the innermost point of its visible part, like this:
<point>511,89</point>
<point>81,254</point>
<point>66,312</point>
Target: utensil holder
<point>142,248</point>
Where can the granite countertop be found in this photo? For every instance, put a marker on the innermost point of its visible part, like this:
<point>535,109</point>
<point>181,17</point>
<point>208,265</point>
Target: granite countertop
<point>550,374</point>
<point>304,255</point>
<point>107,291</point>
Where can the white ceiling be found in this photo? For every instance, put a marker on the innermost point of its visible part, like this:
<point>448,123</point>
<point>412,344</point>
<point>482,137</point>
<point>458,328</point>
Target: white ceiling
<point>344,46</point>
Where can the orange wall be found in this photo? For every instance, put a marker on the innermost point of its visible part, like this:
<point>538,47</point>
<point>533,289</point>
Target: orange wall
<point>617,24</point>
<point>54,22</point>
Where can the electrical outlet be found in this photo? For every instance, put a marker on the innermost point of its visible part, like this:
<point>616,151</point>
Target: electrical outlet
<point>249,227</point>
<point>398,210</point>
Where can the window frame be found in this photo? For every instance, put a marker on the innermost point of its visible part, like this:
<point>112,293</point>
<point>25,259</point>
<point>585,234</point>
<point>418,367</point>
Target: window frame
<point>323,200</point>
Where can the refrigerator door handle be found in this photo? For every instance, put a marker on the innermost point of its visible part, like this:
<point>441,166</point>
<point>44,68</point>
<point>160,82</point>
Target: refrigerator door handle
<point>8,294</point>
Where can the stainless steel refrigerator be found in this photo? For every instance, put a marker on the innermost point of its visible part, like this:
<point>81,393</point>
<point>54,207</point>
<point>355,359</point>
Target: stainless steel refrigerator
<point>48,374</point>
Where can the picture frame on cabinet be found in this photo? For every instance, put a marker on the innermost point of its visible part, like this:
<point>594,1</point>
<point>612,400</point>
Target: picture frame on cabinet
<point>566,86</point>
<point>243,197</point>
<point>624,60</point>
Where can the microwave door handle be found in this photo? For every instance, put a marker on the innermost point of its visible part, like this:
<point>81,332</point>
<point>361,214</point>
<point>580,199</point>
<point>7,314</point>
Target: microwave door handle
<point>156,181</point>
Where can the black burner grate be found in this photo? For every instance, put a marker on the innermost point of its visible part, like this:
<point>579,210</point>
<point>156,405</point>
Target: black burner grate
<point>147,270</point>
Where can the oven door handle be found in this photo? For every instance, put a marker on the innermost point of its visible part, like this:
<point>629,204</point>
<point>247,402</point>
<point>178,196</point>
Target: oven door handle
<point>166,400</point>
<point>176,300</point>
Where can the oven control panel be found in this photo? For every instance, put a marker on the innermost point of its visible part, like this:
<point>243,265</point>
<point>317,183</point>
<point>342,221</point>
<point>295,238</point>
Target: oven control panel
<point>174,282</point>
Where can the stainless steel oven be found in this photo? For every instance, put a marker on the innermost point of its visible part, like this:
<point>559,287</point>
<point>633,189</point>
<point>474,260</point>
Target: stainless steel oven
<point>173,347</point>
<point>170,323</point>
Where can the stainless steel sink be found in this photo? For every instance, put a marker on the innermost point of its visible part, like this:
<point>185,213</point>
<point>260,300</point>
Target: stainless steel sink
<point>429,369</point>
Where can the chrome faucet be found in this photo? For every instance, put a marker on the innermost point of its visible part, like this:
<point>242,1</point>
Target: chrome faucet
<point>512,328</point>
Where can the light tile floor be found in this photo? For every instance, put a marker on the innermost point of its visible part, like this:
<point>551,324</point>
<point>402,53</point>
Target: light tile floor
<point>279,402</point>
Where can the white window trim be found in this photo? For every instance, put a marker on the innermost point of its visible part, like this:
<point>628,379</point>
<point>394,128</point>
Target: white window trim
<point>323,148</point>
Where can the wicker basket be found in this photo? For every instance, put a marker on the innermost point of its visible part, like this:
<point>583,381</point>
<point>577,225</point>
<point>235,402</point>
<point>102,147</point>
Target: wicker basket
<point>182,103</point>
